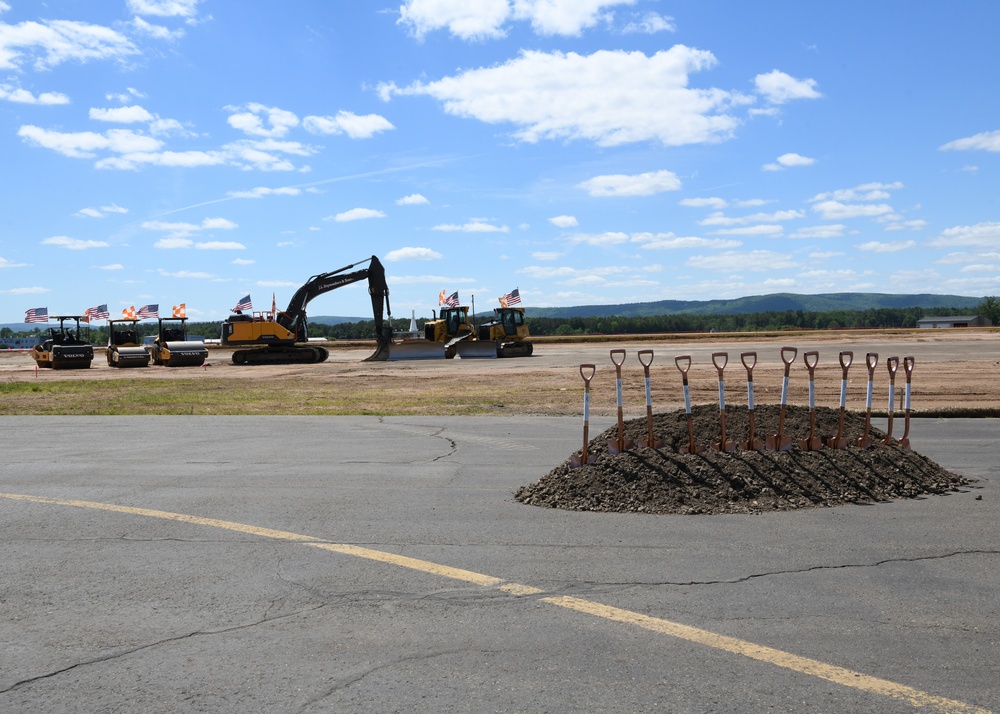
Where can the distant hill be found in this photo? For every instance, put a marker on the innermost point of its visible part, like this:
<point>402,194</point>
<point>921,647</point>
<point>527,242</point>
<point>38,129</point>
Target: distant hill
<point>775,302</point>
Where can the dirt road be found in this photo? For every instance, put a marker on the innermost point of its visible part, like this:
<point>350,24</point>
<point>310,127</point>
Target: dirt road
<point>953,369</point>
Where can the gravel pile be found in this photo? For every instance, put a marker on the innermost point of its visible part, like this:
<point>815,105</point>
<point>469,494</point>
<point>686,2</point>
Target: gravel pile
<point>663,480</point>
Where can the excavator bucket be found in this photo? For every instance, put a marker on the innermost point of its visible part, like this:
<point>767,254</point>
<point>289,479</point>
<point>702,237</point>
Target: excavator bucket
<point>476,349</point>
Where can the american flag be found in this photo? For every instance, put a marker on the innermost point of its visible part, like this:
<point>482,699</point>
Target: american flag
<point>98,313</point>
<point>129,313</point>
<point>243,304</point>
<point>451,300</point>
<point>36,314</point>
<point>148,311</point>
<point>180,310</point>
<point>511,298</point>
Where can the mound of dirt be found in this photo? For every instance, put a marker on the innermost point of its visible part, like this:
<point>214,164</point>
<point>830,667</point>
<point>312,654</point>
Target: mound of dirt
<point>663,480</point>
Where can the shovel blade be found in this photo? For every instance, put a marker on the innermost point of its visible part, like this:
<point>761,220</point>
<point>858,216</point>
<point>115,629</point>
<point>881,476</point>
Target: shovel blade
<point>904,444</point>
<point>613,446</point>
<point>863,442</point>
<point>755,445</point>
<point>779,443</point>
<point>726,446</point>
<point>813,444</point>
<point>644,444</point>
<point>576,460</point>
<point>835,442</point>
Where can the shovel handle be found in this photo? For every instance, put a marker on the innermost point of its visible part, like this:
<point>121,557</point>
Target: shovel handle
<point>788,356</point>
<point>618,357</point>
<point>683,363</point>
<point>908,367</point>
<point>718,357</point>
<point>648,354</point>
<point>584,368</point>
<point>871,359</point>
<point>749,360</point>
<point>892,364</point>
<point>811,358</point>
<point>846,357</point>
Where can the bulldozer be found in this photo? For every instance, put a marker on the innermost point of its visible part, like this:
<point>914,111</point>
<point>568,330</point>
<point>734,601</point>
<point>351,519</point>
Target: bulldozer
<point>124,346</point>
<point>64,348</point>
<point>171,347</point>
<point>508,331</point>
<point>282,337</point>
<point>457,334</point>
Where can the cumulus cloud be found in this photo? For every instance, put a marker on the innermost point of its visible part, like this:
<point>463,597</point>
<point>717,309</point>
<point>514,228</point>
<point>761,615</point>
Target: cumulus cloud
<point>737,261</point>
<point>720,219</point>
<point>875,246</point>
<point>50,43</point>
<point>471,227</point>
<point>564,221</point>
<point>260,120</point>
<point>4,263</point>
<point>834,230</point>
<point>355,126</point>
<point>414,199</point>
<point>786,161</point>
<point>600,239</point>
<point>710,202</point>
<point>985,141</point>
<point>777,87</point>
<point>838,211</point>
<point>650,24</point>
<point>164,8</point>
<point>74,243</point>
<point>608,97</point>
<point>412,254</point>
<point>220,245</point>
<point>121,115</point>
<point>485,19</point>
<point>646,184</point>
<point>10,93</point>
<point>180,230</point>
<point>262,191</point>
<point>669,241</point>
<point>356,214</point>
<point>985,235</point>
<point>864,192</point>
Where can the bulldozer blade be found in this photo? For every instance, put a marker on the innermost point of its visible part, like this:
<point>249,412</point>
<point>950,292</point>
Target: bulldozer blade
<point>476,349</point>
<point>414,350</point>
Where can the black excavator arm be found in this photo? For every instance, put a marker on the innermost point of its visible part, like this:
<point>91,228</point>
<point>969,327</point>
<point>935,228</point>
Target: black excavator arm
<point>294,317</point>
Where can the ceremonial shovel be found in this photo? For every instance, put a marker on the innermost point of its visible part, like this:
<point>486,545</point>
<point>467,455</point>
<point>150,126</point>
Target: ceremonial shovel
<point>811,442</point>
<point>576,461</point>
<point>691,447</point>
<point>749,360</point>
<point>839,441</point>
<point>723,358</point>
<point>779,442</point>
<point>646,359</point>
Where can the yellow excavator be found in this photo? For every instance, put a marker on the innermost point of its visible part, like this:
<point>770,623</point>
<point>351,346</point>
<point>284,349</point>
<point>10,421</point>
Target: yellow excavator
<point>283,338</point>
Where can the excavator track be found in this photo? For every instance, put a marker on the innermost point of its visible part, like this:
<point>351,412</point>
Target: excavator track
<point>283,355</point>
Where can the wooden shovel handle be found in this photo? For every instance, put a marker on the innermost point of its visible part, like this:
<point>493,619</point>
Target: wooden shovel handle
<point>811,358</point>
<point>749,360</point>
<point>620,355</point>
<point>646,362</point>
<point>788,356</point>
<point>718,357</point>
<point>871,359</point>
<point>908,367</point>
<point>686,360</point>
<point>846,357</point>
<point>583,373</point>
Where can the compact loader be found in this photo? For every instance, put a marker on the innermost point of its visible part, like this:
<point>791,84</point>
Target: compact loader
<point>125,346</point>
<point>171,348</point>
<point>63,348</point>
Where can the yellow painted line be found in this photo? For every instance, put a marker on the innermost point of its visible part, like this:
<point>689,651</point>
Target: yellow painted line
<point>778,658</point>
<point>831,673</point>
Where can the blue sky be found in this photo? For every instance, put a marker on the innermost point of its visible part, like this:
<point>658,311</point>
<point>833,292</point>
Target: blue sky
<point>583,151</point>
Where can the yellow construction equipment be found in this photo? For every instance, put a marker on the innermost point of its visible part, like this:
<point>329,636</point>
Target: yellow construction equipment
<point>64,348</point>
<point>172,348</point>
<point>125,346</point>
<point>508,332</point>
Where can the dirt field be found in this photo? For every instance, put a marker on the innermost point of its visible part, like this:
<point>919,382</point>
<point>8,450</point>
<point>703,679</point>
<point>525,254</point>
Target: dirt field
<point>953,369</point>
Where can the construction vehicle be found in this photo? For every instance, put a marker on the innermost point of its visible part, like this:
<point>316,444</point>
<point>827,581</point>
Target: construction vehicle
<point>457,335</point>
<point>508,331</point>
<point>125,346</point>
<point>172,348</point>
<point>64,348</point>
<point>283,337</point>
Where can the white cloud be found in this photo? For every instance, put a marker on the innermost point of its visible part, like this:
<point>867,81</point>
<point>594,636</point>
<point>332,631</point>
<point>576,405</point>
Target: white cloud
<point>121,115</point>
<point>262,191</point>
<point>25,291</point>
<point>608,97</point>
<point>601,239</point>
<point>158,32</point>
<point>485,19</point>
<point>242,261</point>
<point>114,208</point>
<point>669,241</point>
<point>735,261</point>
<point>17,95</point>
<point>4,7</point>
<point>985,235</point>
<point>864,192</point>
<point>837,211</point>
<point>74,243</point>
<point>646,184</point>
<point>712,202</point>
<point>113,266</point>
<point>564,221</point>
<point>649,24</point>
<point>52,42</point>
<point>355,126</point>
<point>879,247</point>
<point>89,213</point>
<point>471,227</point>
<point>986,141</point>
<point>260,120</point>
<point>766,229</point>
<point>220,245</point>
<point>4,263</point>
<point>414,199</point>
<point>834,230</point>
<point>173,243</point>
<point>356,214</point>
<point>164,8</point>
<point>84,144</point>
<point>786,161</point>
<point>412,254</point>
<point>719,219</point>
<point>777,87</point>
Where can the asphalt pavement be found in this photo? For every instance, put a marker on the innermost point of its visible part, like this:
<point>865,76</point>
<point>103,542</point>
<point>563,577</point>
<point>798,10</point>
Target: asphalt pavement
<point>339,564</point>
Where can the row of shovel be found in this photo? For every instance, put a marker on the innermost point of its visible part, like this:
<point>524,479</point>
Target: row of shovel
<point>778,441</point>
